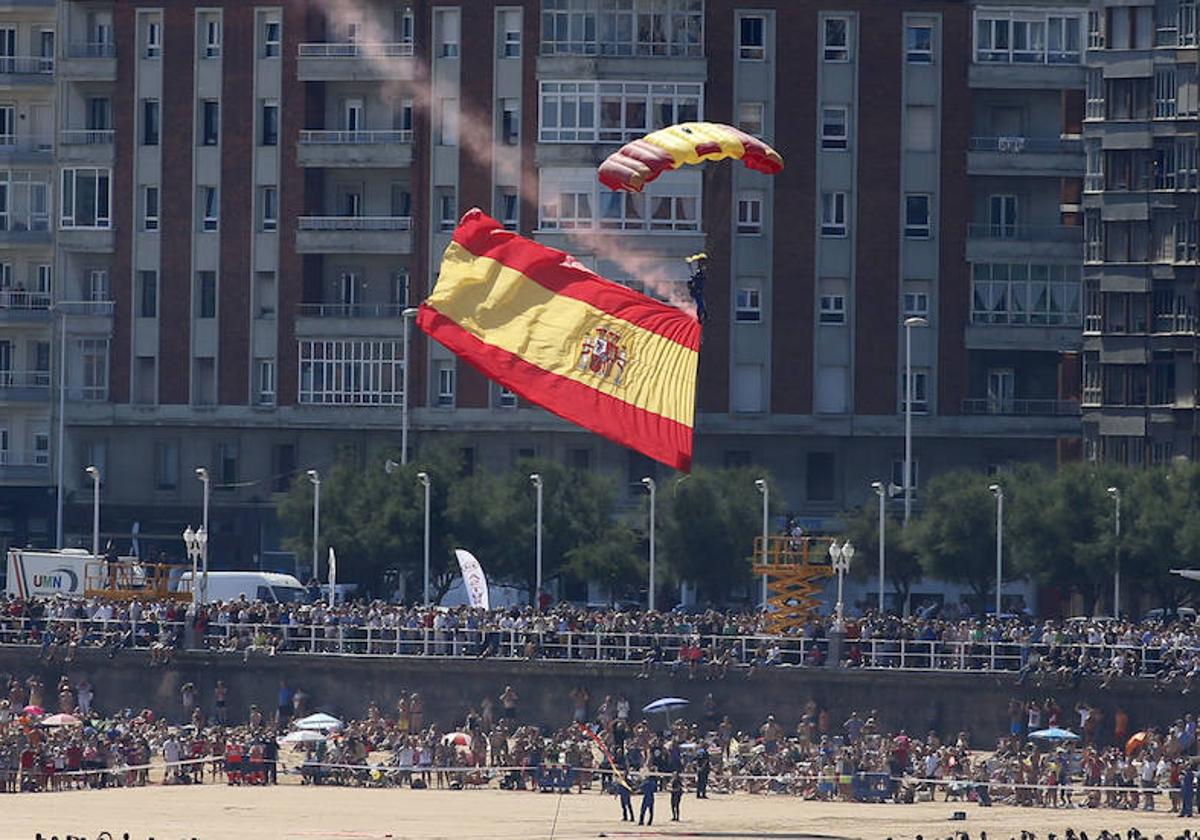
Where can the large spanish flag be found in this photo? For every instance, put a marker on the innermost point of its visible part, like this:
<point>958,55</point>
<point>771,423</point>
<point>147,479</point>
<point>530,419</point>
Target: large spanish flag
<point>589,350</point>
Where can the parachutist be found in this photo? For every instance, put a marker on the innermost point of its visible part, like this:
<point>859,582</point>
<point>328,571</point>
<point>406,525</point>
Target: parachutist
<point>695,284</point>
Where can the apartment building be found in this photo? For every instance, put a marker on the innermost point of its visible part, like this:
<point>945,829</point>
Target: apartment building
<point>1140,205</point>
<point>249,196</point>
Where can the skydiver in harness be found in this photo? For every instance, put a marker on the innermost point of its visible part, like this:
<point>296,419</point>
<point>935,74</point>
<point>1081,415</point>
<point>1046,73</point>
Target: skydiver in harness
<point>695,284</point>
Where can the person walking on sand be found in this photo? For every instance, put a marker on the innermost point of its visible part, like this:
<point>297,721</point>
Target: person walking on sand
<point>676,795</point>
<point>649,786</point>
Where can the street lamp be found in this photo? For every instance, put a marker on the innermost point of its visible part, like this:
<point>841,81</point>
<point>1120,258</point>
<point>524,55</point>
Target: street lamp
<point>998,492</point>
<point>909,323</point>
<point>315,478</point>
<point>60,455</point>
<point>196,543</point>
<point>536,478</point>
<point>423,480</point>
<point>202,474</point>
<point>1115,492</point>
<point>94,472</point>
<point>649,484</point>
<point>881,492</point>
<point>765,489</point>
<point>841,555</point>
<point>405,316</point>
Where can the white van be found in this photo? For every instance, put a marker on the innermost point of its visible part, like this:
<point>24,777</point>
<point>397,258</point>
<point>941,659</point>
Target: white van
<point>256,586</point>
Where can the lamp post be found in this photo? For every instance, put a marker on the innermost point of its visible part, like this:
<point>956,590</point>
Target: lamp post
<point>202,474</point>
<point>192,545</point>
<point>60,455</point>
<point>315,478</point>
<point>536,478</point>
<point>406,316</point>
<point>881,492</point>
<point>998,492</point>
<point>94,472</point>
<point>423,480</point>
<point>765,489</point>
<point>1115,492</point>
<point>841,555</point>
<point>649,484</point>
<point>909,323</point>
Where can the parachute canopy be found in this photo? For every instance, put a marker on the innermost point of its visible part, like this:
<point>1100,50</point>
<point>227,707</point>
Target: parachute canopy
<point>638,163</point>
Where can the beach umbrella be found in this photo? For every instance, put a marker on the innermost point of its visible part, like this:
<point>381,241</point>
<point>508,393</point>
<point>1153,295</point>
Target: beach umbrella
<point>665,705</point>
<point>319,722</point>
<point>1054,733</point>
<point>302,736</point>
<point>61,720</point>
<point>461,741</point>
<point>36,711</point>
<point>1136,742</point>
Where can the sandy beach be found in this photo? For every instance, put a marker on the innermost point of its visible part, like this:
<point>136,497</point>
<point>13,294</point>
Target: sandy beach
<point>291,812</point>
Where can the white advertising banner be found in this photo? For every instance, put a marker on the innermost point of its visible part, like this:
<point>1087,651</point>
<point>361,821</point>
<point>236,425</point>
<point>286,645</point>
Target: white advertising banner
<point>473,578</point>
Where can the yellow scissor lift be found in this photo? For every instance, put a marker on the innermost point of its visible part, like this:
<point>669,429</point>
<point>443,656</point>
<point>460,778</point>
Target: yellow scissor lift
<point>796,568</point>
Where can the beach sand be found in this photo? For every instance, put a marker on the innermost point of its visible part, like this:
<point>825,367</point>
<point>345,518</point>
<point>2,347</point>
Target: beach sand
<point>292,812</point>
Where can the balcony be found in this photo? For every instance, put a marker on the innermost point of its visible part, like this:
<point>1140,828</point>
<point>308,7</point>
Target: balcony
<point>21,149</point>
<point>1018,156</point>
<point>354,234</point>
<point>996,406</point>
<point>90,61</point>
<point>24,386</point>
<point>31,230</point>
<point>26,70</point>
<point>86,145</point>
<point>21,307</point>
<point>337,320</point>
<point>1003,241</point>
<point>1026,76</point>
<point>372,149</point>
<point>17,470</point>
<point>99,240</point>
<point>346,62</point>
<point>87,317</point>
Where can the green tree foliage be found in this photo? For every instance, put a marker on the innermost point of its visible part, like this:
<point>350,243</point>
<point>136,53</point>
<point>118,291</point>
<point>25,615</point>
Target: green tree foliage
<point>616,559</point>
<point>1161,530</point>
<point>709,522</point>
<point>902,565</point>
<point>955,536</point>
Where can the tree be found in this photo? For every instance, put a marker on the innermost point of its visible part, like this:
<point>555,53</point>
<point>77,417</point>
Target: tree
<point>955,536</point>
<point>902,565</point>
<point>709,522</point>
<point>615,559</point>
<point>1163,533</point>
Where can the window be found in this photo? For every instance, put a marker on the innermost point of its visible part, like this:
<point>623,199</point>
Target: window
<point>150,122</point>
<point>447,210</point>
<point>748,305</point>
<point>833,214</point>
<point>445,384</point>
<point>613,111</point>
<point>448,125</point>
<point>836,44</point>
<point>153,39</point>
<point>99,113</point>
<point>351,372</point>
<point>166,465</point>
<point>210,133</point>
<point>206,294</point>
<point>1036,294</point>
<point>210,208</point>
<point>93,359</point>
<point>567,211</point>
<point>916,304</point>
<point>150,208</point>
<point>264,295</point>
<point>750,117</point>
<point>645,28</point>
<point>1028,37</point>
<point>510,46</point>
<point>918,43</point>
<point>1164,93</point>
<point>97,286</point>
<point>272,37</point>
<point>916,216</point>
<point>749,214</point>
<point>86,200</point>
<point>283,466</point>
<point>268,201</point>
<point>446,28</point>
<point>270,123</point>
<point>746,388</point>
<point>264,381</point>
<point>510,121</point>
<point>834,132</point>
<point>505,398</point>
<point>898,473</point>
<point>508,208</point>
<point>212,36</point>
<point>147,294</point>
<point>833,309</point>
<point>41,449</point>
<point>920,128</point>
<point>225,456</point>
<point>920,394</point>
<point>831,392</point>
<point>819,476</point>
<point>752,38</point>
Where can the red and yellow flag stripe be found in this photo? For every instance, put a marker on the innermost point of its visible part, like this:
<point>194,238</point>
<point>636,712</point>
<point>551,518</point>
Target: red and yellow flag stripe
<point>589,350</point>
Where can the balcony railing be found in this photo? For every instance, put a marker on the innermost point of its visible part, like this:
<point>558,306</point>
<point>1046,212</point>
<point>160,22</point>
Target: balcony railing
<point>1017,144</point>
<point>10,143</point>
<point>84,308</point>
<point>1174,324</point>
<point>86,137</point>
<point>19,299</point>
<point>11,379</point>
<point>92,50</point>
<point>1026,233</point>
<point>354,223</point>
<point>321,137</point>
<point>351,310</point>
<point>26,65</point>
<point>1023,408</point>
<point>356,50</point>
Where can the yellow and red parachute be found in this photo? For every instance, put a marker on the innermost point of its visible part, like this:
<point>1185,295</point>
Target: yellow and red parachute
<point>638,163</point>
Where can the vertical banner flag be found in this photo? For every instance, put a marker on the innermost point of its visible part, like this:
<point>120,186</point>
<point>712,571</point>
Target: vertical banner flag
<point>473,578</point>
<point>592,351</point>
<point>332,575</point>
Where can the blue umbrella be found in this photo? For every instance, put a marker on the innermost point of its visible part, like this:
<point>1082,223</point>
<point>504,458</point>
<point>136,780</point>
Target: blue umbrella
<point>1054,733</point>
<point>665,705</point>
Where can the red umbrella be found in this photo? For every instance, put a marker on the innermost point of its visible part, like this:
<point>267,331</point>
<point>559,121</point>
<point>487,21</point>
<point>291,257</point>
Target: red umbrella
<point>1136,742</point>
<point>36,711</point>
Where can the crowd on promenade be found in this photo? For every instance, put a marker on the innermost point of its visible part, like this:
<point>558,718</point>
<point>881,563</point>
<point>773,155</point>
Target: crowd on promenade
<point>705,643</point>
<point>63,737</point>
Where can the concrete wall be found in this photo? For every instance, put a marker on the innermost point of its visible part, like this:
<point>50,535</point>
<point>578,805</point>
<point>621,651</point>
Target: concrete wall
<point>345,686</point>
